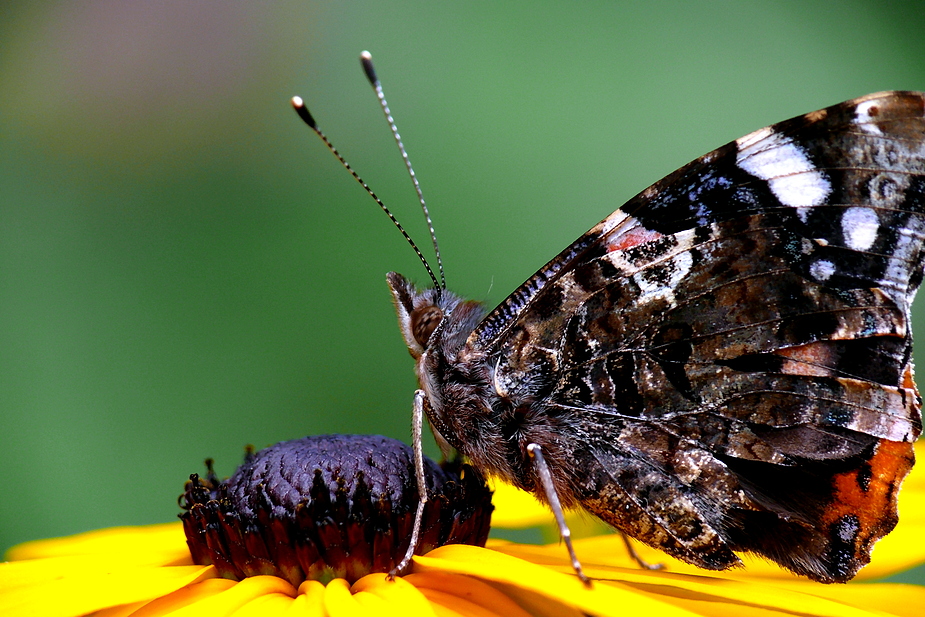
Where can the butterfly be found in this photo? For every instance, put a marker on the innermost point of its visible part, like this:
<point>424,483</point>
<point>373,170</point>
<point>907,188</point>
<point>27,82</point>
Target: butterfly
<point>722,365</point>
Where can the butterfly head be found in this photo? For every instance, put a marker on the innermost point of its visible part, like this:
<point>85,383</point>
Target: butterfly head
<point>420,312</point>
<point>428,315</point>
<point>436,325</point>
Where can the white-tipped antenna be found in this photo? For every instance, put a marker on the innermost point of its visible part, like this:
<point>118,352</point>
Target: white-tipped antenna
<point>366,59</point>
<point>307,117</point>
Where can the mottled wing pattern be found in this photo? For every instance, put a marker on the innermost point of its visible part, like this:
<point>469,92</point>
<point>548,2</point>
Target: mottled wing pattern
<point>731,350</point>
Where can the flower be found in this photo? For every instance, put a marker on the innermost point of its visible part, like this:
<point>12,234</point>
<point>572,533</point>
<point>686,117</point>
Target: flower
<point>330,506</point>
<point>148,572</point>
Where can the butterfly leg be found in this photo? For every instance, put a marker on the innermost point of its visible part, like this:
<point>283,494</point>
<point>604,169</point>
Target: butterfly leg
<point>417,424</point>
<point>542,470</point>
<point>642,563</point>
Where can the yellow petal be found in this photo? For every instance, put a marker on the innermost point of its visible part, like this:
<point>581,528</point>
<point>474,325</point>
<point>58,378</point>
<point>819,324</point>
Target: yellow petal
<point>445,604</point>
<point>891,598</point>
<point>123,610</point>
<point>163,543</point>
<point>371,604</point>
<point>720,595</point>
<point>442,611</point>
<point>700,593</point>
<point>302,607</point>
<point>26,588</point>
<point>486,564</point>
<point>634,590</point>
<point>777,593</point>
<point>453,590</point>
<point>44,571</point>
<point>339,602</point>
<point>516,509</point>
<point>184,597</point>
<point>891,555</point>
<point>399,596</point>
<point>225,603</point>
<point>540,606</point>
<point>268,605</point>
<point>309,602</point>
<point>606,550</point>
<point>755,599</point>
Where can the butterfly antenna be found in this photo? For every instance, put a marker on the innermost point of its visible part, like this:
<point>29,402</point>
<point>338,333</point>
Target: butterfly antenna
<point>366,60</point>
<point>308,119</point>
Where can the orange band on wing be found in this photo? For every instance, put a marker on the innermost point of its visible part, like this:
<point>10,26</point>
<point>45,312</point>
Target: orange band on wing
<point>870,493</point>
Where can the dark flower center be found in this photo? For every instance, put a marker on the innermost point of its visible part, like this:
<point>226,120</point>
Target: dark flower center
<point>330,506</point>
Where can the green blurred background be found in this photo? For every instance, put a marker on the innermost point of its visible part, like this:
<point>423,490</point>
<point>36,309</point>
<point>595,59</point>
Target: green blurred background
<point>184,269</point>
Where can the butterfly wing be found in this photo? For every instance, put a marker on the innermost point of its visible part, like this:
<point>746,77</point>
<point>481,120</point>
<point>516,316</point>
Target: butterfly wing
<point>728,356</point>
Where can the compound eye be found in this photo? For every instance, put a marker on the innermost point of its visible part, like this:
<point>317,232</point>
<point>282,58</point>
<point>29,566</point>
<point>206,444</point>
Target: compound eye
<point>423,323</point>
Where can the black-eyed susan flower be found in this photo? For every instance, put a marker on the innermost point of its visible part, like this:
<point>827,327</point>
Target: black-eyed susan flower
<point>327,507</point>
<point>149,572</point>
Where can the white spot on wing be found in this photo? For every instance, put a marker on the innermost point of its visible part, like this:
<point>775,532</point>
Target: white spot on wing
<point>788,171</point>
<point>859,226</point>
<point>865,119</point>
<point>909,242</point>
<point>651,289</point>
<point>821,270</point>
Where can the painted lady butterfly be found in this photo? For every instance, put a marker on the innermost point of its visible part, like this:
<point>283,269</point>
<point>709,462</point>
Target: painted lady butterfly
<point>724,363</point>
